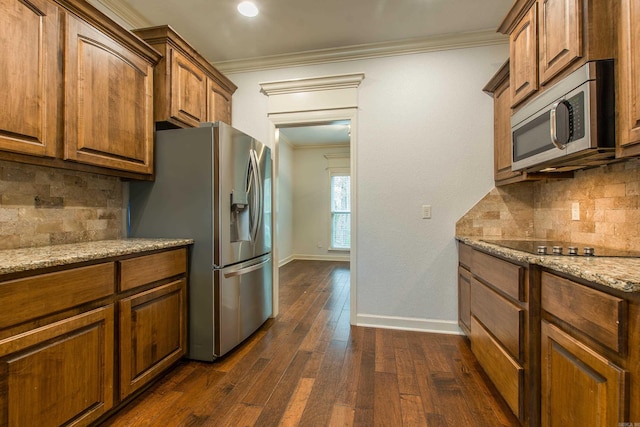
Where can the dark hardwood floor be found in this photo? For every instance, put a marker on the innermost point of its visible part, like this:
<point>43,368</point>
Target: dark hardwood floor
<point>309,367</point>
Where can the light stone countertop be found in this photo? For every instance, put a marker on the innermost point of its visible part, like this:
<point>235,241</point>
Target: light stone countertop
<point>17,260</point>
<point>618,273</point>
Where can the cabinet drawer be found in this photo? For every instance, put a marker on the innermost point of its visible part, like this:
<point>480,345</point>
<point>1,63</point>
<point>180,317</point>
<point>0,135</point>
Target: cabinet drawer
<point>507,277</point>
<point>37,296</point>
<point>465,253</point>
<point>505,373</point>
<point>501,317</point>
<point>139,271</point>
<point>597,314</point>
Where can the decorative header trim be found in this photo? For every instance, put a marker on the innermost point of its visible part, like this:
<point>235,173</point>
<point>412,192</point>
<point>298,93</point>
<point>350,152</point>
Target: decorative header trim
<point>343,81</point>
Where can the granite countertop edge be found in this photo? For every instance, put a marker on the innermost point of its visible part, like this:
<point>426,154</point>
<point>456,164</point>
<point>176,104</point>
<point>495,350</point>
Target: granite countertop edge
<point>618,273</point>
<point>26,259</point>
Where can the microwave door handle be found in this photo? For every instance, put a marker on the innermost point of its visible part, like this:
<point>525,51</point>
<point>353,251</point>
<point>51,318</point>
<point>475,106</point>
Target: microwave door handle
<point>553,121</point>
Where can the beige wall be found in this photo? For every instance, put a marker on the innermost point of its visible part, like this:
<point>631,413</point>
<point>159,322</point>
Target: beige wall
<point>608,198</point>
<point>41,206</point>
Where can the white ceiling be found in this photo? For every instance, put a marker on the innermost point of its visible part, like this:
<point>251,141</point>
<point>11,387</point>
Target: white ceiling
<point>319,29</point>
<point>283,27</point>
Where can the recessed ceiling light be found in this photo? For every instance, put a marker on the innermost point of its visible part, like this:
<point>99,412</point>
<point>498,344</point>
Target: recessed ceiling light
<point>247,8</point>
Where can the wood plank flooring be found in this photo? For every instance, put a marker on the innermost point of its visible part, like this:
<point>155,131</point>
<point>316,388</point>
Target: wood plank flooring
<point>309,367</point>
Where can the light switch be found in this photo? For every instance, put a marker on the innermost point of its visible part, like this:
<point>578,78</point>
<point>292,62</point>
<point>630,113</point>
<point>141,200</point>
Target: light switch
<point>426,211</point>
<point>575,211</point>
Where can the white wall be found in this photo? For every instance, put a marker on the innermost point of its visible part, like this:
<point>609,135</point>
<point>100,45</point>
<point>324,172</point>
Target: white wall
<point>425,136</point>
<point>285,201</point>
<point>311,202</point>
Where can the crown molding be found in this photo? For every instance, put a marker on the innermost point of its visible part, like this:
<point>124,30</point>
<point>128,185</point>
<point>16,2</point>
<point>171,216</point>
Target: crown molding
<point>122,10</point>
<point>367,51</point>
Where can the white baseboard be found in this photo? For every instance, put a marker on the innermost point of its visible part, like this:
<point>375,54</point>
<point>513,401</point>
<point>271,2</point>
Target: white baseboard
<point>409,324</point>
<point>285,261</point>
<point>317,257</point>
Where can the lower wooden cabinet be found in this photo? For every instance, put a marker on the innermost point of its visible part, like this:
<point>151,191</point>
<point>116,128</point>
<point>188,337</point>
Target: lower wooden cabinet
<point>153,334</point>
<point>64,360</point>
<point>580,388</point>
<point>59,373</point>
<point>499,313</point>
<point>589,362</point>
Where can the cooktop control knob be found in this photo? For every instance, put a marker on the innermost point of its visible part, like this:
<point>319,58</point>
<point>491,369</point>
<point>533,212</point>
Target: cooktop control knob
<point>557,250</point>
<point>542,250</point>
<point>589,251</point>
<point>573,250</point>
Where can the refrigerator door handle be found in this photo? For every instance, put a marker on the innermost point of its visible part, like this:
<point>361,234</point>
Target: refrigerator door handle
<point>243,270</point>
<point>256,214</point>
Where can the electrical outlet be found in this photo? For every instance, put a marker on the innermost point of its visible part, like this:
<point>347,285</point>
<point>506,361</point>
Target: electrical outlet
<point>426,211</point>
<point>575,211</point>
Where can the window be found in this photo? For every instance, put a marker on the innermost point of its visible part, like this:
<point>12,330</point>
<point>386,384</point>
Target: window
<point>340,211</point>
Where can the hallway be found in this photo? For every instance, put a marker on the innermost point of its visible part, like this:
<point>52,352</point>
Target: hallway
<point>309,367</point>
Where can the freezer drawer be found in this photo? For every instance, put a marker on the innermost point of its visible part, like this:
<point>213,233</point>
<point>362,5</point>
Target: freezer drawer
<point>243,303</point>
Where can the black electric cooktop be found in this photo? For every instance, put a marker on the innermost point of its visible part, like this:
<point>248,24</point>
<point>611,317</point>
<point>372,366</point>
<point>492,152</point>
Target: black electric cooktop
<point>543,247</point>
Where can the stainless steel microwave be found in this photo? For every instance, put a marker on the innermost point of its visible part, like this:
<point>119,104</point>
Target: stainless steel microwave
<point>568,126</point>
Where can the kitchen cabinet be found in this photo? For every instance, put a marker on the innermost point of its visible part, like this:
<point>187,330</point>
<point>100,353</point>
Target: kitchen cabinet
<point>30,64</point>
<point>550,38</point>
<point>628,78</point>
<point>523,55</point>
<point>109,101</point>
<point>76,343</point>
<point>585,357</point>
<point>188,89</point>
<point>153,322</point>
<point>81,90</point>
<point>57,368</point>
<point>464,288</point>
<point>504,317</point>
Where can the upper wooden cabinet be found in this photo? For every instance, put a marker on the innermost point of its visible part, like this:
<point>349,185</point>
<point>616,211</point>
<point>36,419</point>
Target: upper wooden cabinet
<point>628,78</point>
<point>560,35</point>
<point>81,89</point>
<point>551,38</point>
<point>108,101</point>
<point>188,89</point>
<point>523,55</point>
<point>29,66</point>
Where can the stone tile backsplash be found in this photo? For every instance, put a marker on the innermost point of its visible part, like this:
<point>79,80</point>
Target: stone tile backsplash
<point>41,206</point>
<point>607,196</point>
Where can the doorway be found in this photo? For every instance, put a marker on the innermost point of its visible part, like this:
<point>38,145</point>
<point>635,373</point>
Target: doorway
<point>314,199</point>
<point>307,121</point>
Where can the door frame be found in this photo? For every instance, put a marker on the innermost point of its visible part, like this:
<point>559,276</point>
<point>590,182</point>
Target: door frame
<point>311,118</point>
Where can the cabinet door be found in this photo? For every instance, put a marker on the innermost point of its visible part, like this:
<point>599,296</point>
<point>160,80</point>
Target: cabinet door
<point>59,372</point>
<point>464,300</point>
<point>580,388</point>
<point>218,103</point>
<point>502,133</point>
<point>523,69</point>
<point>108,100</point>
<point>188,90</point>
<point>29,77</point>
<point>560,35</point>
<point>153,334</point>
<point>629,79</point>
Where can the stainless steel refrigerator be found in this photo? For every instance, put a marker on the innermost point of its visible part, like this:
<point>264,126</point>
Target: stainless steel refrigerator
<point>213,184</point>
